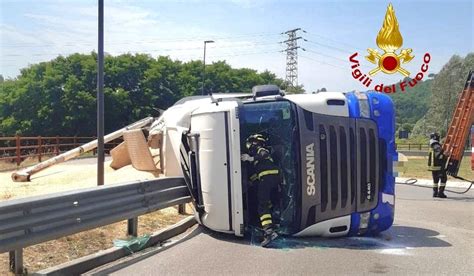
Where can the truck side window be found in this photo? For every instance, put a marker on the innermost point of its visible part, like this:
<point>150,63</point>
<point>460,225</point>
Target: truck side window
<point>276,119</point>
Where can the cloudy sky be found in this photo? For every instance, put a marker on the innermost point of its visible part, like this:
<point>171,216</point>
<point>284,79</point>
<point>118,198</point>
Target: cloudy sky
<point>247,33</point>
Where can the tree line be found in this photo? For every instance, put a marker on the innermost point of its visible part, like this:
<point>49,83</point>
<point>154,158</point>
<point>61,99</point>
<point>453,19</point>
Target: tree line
<point>445,89</point>
<point>59,96</point>
<point>428,107</point>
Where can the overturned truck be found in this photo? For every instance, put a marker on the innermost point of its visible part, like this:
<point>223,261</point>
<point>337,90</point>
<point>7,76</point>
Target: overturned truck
<point>335,152</point>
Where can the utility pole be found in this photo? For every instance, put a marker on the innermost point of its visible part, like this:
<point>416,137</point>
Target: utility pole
<point>100,97</point>
<point>291,50</point>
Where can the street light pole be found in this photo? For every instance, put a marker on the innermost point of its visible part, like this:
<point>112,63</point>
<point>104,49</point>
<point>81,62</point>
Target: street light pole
<point>100,97</point>
<point>204,66</point>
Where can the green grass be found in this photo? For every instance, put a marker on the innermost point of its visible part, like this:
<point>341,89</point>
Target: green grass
<point>417,168</point>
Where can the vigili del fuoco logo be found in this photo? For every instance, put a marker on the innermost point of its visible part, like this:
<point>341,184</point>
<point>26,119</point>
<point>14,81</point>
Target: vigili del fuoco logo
<point>389,40</point>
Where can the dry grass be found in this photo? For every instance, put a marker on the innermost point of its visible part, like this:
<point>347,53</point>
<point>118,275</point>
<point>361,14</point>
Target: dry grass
<point>417,168</point>
<point>6,165</point>
<point>70,176</point>
<point>29,161</point>
<point>6,195</point>
<point>68,248</point>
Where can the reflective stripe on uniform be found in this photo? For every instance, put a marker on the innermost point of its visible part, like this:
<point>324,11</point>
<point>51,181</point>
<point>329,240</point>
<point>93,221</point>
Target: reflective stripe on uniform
<point>257,137</point>
<point>268,172</point>
<point>432,157</point>
<point>266,222</point>
<point>442,184</point>
<point>263,173</point>
<point>266,216</point>
<point>431,166</point>
<point>435,185</point>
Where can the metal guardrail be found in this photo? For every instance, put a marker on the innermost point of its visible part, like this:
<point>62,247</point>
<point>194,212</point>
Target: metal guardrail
<point>29,221</point>
<point>422,147</point>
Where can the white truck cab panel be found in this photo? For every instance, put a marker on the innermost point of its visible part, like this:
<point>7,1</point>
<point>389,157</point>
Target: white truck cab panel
<point>328,103</point>
<point>221,187</point>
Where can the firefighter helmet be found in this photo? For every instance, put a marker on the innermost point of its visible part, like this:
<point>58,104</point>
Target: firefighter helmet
<point>256,139</point>
<point>434,136</point>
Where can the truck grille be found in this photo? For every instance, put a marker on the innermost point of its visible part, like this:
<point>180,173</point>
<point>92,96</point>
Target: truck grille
<point>347,163</point>
<point>348,168</point>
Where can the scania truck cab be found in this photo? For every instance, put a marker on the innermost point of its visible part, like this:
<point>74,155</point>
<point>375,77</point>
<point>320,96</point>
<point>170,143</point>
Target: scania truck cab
<point>335,152</point>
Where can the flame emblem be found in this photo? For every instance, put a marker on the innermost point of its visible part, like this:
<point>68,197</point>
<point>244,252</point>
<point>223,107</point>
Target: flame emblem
<point>389,39</point>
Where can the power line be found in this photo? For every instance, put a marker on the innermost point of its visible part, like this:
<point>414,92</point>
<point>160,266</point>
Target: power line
<point>340,67</point>
<point>248,44</point>
<point>349,46</point>
<point>235,45</point>
<point>225,54</point>
<point>325,63</point>
<point>146,41</point>
<point>325,55</point>
<point>327,46</point>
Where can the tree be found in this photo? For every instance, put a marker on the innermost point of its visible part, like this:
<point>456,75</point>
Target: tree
<point>407,127</point>
<point>299,89</point>
<point>320,90</point>
<point>446,87</point>
<point>59,97</point>
<point>412,104</point>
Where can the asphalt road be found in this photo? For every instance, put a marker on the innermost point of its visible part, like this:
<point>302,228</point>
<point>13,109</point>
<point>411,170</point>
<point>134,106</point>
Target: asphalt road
<point>429,236</point>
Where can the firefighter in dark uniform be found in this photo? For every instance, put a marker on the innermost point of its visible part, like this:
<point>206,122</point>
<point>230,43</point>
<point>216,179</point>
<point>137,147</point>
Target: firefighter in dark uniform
<point>266,177</point>
<point>436,164</point>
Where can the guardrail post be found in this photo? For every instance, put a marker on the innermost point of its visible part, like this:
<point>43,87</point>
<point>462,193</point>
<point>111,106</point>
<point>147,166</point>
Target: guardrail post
<point>39,150</point>
<point>16,261</point>
<point>409,146</point>
<point>420,146</point>
<point>75,141</point>
<point>182,209</point>
<point>132,227</point>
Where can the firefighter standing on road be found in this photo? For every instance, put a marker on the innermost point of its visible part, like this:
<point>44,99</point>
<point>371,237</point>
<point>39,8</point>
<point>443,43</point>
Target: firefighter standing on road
<point>267,178</point>
<point>436,163</point>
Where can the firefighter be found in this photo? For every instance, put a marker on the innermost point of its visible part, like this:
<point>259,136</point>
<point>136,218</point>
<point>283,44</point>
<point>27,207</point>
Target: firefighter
<point>436,164</point>
<point>266,177</point>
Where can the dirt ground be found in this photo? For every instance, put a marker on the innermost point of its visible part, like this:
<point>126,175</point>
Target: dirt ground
<point>76,174</point>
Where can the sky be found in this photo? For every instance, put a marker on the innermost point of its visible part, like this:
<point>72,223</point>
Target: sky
<point>247,33</point>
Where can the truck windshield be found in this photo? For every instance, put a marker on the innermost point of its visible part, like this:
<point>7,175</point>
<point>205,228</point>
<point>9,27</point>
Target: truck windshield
<point>276,120</point>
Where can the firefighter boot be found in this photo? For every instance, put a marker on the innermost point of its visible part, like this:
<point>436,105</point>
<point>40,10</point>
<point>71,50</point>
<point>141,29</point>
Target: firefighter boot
<point>435,191</point>
<point>441,192</point>
<point>268,236</point>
